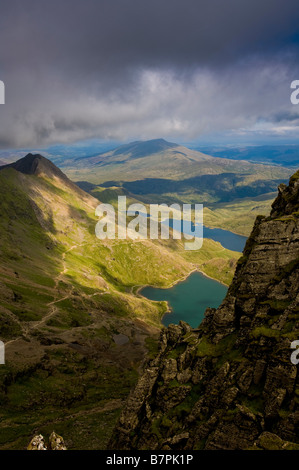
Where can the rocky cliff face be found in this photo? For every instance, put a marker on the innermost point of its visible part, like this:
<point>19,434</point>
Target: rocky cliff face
<point>230,384</point>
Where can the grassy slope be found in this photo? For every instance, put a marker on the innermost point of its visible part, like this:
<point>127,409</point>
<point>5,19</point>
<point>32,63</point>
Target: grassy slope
<point>64,294</point>
<point>238,216</point>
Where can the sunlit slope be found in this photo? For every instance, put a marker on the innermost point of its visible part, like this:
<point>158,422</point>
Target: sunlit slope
<point>238,216</point>
<point>49,252</point>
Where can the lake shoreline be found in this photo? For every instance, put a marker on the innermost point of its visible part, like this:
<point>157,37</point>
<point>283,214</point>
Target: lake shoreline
<point>139,288</point>
<point>227,230</point>
<point>173,283</point>
<point>188,298</point>
<point>169,309</point>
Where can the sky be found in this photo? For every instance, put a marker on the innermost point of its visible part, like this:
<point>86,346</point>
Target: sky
<point>122,70</point>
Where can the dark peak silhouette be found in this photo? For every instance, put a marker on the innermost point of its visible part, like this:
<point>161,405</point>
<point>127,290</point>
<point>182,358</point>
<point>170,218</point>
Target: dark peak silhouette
<point>35,165</point>
<point>40,166</point>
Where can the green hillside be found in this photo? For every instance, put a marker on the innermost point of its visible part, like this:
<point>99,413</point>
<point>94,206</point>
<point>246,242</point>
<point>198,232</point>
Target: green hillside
<point>67,302</point>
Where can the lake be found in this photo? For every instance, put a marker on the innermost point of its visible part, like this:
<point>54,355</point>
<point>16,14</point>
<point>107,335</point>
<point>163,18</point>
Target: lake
<point>188,299</point>
<point>228,240</point>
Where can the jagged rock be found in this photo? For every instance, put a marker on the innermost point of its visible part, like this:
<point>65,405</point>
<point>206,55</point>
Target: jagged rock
<point>259,370</point>
<point>171,397</point>
<point>170,370</point>
<point>37,443</point>
<point>174,333</point>
<point>274,402</point>
<point>230,395</point>
<point>184,376</point>
<point>245,380</point>
<point>246,412</point>
<point>177,439</point>
<point>270,441</point>
<point>232,384</point>
<point>185,327</point>
<point>231,436</point>
<point>56,442</point>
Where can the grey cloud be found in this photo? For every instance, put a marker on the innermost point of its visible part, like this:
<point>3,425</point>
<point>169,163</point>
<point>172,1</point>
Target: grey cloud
<point>285,116</point>
<point>124,69</point>
<point>100,34</point>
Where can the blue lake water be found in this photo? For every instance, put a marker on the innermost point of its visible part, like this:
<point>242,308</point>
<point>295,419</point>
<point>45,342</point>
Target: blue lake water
<point>188,299</point>
<point>228,240</point>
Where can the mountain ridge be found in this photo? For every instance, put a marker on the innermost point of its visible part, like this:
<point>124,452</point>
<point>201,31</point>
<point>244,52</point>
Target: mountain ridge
<point>37,165</point>
<point>139,149</point>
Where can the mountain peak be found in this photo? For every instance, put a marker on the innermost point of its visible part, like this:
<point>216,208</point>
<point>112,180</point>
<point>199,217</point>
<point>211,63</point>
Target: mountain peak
<point>287,201</point>
<point>145,148</point>
<point>35,164</point>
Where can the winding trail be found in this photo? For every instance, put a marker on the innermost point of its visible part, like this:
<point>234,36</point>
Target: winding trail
<point>52,304</point>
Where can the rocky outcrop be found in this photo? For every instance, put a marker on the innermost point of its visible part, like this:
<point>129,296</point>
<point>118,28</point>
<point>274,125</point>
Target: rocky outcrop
<point>56,442</point>
<point>230,384</point>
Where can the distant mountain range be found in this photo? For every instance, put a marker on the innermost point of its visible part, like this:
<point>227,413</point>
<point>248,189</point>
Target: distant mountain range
<point>65,155</point>
<point>136,149</point>
<point>155,158</point>
<point>158,170</point>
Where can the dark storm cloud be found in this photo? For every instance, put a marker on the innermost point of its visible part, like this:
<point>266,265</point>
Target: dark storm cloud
<point>96,35</point>
<point>75,69</point>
